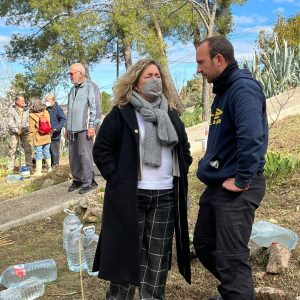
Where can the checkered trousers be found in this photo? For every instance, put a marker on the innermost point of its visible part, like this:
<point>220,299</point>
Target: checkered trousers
<point>156,213</point>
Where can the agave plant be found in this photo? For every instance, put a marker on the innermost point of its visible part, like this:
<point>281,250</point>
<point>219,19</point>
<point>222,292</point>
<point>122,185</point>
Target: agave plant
<point>277,68</point>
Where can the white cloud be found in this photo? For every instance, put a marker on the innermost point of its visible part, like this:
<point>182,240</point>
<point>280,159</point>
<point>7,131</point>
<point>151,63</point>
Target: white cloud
<point>4,40</point>
<point>248,20</point>
<point>243,50</point>
<point>257,29</point>
<point>279,11</point>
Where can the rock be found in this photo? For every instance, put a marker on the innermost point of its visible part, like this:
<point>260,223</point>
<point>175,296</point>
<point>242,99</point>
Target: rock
<point>48,220</point>
<point>258,276</point>
<point>90,218</point>
<point>255,249</point>
<point>269,293</point>
<point>83,203</point>
<point>48,182</point>
<point>93,211</point>
<point>279,257</point>
<point>273,221</point>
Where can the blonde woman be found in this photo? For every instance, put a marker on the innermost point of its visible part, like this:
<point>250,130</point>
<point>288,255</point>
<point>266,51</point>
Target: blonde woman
<point>143,153</point>
<point>40,141</point>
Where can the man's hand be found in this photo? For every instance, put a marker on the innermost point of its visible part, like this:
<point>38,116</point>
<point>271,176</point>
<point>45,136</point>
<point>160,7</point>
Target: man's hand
<point>229,185</point>
<point>91,132</point>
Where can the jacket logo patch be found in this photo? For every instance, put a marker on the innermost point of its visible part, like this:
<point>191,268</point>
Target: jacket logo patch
<point>216,117</point>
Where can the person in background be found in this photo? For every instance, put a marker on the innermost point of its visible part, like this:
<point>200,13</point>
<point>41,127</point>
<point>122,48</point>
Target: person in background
<point>143,152</point>
<point>232,168</point>
<point>18,124</point>
<point>80,128</point>
<point>58,120</point>
<point>40,141</point>
<point>98,106</point>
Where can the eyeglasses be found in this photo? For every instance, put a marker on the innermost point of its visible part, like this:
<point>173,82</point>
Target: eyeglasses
<point>71,74</point>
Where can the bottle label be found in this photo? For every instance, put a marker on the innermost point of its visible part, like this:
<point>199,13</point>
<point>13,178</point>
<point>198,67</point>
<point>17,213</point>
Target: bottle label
<point>20,270</point>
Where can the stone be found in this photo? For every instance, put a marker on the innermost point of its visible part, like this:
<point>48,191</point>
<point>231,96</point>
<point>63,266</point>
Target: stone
<point>258,276</point>
<point>83,203</point>
<point>48,220</point>
<point>48,182</point>
<point>90,218</point>
<point>279,257</point>
<point>269,293</point>
<point>93,211</point>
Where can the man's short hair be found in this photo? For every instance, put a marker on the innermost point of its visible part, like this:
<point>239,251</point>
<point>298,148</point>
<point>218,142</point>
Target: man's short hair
<point>220,45</point>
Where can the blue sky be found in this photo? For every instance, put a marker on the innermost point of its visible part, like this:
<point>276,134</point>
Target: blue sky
<point>249,19</point>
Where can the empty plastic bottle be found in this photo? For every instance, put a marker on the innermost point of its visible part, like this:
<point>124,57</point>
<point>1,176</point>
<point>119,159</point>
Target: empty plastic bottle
<point>74,250</point>
<point>25,171</point>
<point>89,243</point>
<point>14,177</point>
<point>31,288</point>
<point>45,270</point>
<point>70,221</point>
<point>265,233</point>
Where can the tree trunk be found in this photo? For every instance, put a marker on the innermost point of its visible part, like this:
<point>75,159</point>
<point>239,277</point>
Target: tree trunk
<point>164,61</point>
<point>127,55</point>
<point>87,72</point>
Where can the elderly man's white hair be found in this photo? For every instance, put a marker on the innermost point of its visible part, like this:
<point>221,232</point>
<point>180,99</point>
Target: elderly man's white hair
<point>79,67</point>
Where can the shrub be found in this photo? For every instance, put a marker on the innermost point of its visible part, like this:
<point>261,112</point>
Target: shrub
<point>279,165</point>
<point>192,118</point>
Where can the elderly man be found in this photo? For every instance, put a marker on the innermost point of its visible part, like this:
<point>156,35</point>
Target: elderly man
<point>18,124</point>
<point>81,130</point>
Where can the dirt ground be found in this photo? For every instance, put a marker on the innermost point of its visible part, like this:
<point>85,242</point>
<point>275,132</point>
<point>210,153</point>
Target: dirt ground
<point>43,239</point>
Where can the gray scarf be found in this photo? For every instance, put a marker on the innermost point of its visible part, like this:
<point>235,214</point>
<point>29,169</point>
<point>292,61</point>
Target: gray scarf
<point>159,129</point>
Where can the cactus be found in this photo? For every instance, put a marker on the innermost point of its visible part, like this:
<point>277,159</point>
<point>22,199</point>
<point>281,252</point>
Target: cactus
<point>277,68</point>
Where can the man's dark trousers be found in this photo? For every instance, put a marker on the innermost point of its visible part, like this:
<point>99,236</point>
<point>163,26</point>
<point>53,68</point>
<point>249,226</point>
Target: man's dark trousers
<point>54,151</point>
<point>81,157</point>
<point>222,234</point>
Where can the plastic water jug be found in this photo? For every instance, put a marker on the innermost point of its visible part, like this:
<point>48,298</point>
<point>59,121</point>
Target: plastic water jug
<point>265,233</point>
<point>45,270</point>
<point>89,243</point>
<point>74,250</point>
<point>70,221</point>
<point>31,288</point>
<point>25,171</point>
<point>14,177</point>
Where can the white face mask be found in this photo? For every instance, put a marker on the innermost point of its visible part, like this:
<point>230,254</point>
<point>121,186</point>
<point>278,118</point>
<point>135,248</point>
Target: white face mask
<point>48,104</point>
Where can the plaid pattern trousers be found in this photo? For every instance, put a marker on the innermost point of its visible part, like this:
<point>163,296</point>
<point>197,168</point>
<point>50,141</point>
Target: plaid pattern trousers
<point>156,213</point>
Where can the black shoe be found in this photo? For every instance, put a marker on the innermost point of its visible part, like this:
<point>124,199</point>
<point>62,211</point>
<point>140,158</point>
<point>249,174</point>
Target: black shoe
<point>75,186</point>
<point>86,189</point>
<point>215,298</point>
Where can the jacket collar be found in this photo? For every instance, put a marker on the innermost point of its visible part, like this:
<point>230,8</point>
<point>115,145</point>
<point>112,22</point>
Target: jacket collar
<point>128,114</point>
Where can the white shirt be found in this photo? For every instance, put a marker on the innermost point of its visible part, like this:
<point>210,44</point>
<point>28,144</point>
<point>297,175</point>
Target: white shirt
<point>155,178</point>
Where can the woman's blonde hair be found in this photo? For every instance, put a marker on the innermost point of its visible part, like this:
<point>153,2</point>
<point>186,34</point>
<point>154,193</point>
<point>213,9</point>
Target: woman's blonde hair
<point>36,106</point>
<point>123,87</point>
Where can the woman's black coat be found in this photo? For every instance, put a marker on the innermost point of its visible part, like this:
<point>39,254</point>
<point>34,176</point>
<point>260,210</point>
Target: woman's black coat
<point>116,154</point>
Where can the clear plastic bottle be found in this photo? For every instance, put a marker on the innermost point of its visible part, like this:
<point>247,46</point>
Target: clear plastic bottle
<point>45,270</point>
<point>70,221</point>
<point>89,243</point>
<point>31,288</point>
<point>265,233</point>
<point>14,177</point>
<point>74,250</point>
